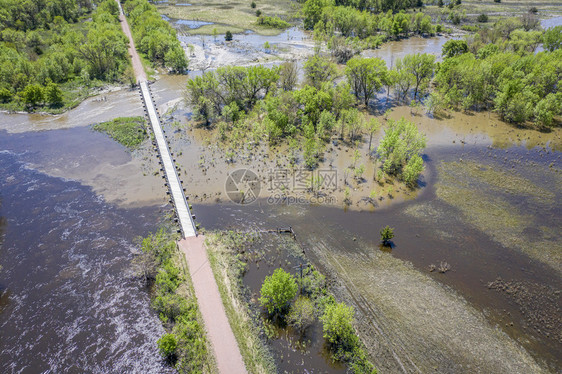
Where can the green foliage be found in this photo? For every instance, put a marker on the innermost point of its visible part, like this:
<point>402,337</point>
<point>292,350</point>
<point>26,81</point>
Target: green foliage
<point>454,48</point>
<point>167,346</point>
<point>552,38</point>
<point>32,94</point>
<point>482,18</point>
<point>253,5</point>
<point>520,85</point>
<point>53,94</point>
<point>277,291</point>
<point>274,22</point>
<point>337,323</point>
<point>213,90</point>
<point>365,76</point>
<point>301,314</point>
<point>319,70</point>
<point>184,346</point>
<point>153,36</point>
<point>228,36</point>
<point>401,142</point>
<point>387,233</point>
<point>128,131</point>
<point>412,170</point>
<point>42,43</point>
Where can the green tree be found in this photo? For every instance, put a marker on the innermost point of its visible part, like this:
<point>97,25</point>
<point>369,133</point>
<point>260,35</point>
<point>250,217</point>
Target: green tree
<point>454,48</point>
<point>552,38</point>
<point>337,322</point>
<point>387,233</point>
<point>32,94</point>
<point>5,95</point>
<point>312,11</point>
<point>412,170</point>
<point>400,143</point>
<point>167,346</point>
<point>301,314</point>
<point>366,76</point>
<point>176,60</point>
<point>277,291</point>
<point>53,94</point>
<point>228,36</point>
<point>420,66</point>
<point>319,70</point>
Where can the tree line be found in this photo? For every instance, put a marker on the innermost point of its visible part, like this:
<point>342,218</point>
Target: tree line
<point>48,49</point>
<point>154,37</point>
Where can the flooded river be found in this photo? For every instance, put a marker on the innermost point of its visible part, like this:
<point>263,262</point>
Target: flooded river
<point>71,202</point>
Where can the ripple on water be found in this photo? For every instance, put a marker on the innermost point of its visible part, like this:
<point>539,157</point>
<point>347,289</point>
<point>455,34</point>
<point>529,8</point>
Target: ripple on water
<point>71,303</point>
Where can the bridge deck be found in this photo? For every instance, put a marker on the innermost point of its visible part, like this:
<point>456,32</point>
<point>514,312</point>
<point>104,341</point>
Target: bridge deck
<point>182,208</point>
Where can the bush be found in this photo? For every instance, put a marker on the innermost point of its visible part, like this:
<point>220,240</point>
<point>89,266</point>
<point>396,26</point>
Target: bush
<point>274,22</point>
<point>338,328</point>
<point>387,233</point>
<point>258,13</point>
<point>301,314</point>
<point>228,36</point>
<point>277,291</point>
<point>253,5</point>
<point>483,18</point>
<point>5,95</point>
<point>167,345</point>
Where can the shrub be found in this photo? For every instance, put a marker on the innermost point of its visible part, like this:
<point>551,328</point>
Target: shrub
<point>253,5</point>
<point>387,233</point>
<point>228,36</point>
<point>338,328</point>
<point>5,95</point>
<point>258,13</point>
<point>277,291</point>
<point>167,345</point>
<point>301,314</point>
<point>483,18</point>
<point>274,22</point>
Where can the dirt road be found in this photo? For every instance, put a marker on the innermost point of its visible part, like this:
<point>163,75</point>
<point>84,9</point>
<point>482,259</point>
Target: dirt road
<point>140,74</point>
<point>227,353</point>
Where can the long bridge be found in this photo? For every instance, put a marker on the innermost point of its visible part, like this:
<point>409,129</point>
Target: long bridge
<point>223,343</point>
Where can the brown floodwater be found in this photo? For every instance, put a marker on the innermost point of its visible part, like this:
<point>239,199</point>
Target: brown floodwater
<point>411,319</point>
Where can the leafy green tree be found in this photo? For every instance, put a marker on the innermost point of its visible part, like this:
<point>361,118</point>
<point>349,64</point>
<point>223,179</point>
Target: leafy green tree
<point>387,233</point>
<point>228,36</point>
<point>337,322</point>
<point>33,94</point>
<point>301,314</point>
<point>167,346</point>
<point>319,70</point>
<point>53,94</point>
<point>366,76</point>
<point>420,66</point>
<point>5,95</point>
<point>412,170</point>
<point>454,48</point>
<point>552,38</point>
<point>289,74</point>
<point>547,108</point>
<point>176,60</point>
<point>277,291</point>
<point>400,143</point>
<point>312,10</point>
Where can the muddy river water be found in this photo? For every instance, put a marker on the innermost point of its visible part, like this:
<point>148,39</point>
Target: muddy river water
<point>72,201</point>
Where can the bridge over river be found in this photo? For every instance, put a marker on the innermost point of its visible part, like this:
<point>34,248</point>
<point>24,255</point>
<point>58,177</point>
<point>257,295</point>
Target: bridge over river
<point>219,332</point>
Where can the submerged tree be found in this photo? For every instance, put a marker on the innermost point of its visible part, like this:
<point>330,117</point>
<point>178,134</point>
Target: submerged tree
<point>277,291</point>
<point>387,233</point>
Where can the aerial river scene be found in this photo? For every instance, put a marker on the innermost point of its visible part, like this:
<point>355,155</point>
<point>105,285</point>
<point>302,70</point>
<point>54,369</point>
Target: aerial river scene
<point>290,186</point>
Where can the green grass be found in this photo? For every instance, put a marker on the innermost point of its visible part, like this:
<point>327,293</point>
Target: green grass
<point>128,131</point>
<point>226,266</point>
<point>231,15</point>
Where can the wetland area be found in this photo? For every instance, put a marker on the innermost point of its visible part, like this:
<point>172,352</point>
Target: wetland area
<point>489,204</point>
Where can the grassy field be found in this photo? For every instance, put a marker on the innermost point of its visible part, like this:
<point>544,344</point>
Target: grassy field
<point>507,8</point>
<point>230,15</point>
<point>128,131</point>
